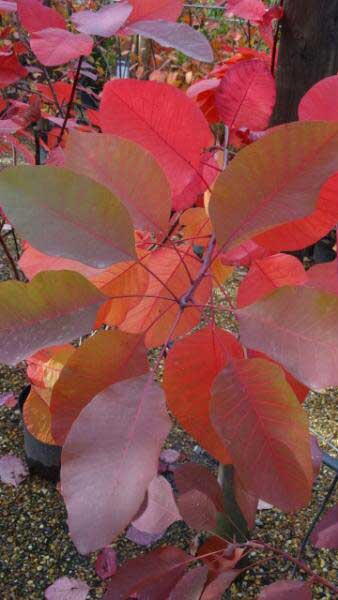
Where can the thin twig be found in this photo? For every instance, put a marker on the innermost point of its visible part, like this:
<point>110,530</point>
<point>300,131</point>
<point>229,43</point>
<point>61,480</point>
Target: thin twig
<point>71,100</point>
<point>10,258</point>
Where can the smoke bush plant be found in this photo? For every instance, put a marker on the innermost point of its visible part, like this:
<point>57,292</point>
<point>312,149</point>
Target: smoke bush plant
<point>132,226</point>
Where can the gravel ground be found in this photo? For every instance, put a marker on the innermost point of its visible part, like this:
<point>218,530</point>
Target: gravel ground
<point>36,548</point>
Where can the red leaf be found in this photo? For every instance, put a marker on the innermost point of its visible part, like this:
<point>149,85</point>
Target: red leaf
<point>216,589</point>
<point>128,170</point>
<point>190,368</point>
<point>12,470</point>
<point>37,363</point>
<point>305,232</point>
<point>249,197</point>
<point>246,500</point>
<point>180,36</point>
<point>251,10</point>
<point>260,420</point>
<point>11,70</point>
<point>106,565</point>
<point>66,588</point>
<point>62,91</point>
<point>8,126</point>
<point>55,47</point>
<point>324,277</point>
<point>325,534</point>
<point>8,399</point>
<point>298,327</point>
<point>153,10</point>
<point>157,311</point>
<point>200,496</point>
<point>191,585</point>
<point>286,590</point>
<point>141,111</point>
<point>104,22</point>
<point>160,508</point>
<point>153,575</point>
<point>299,389</point>
<point>104,359</point>
<point>34,16</point>
<point>109,459</point>
<point>246,95</point>
<point>203,92</point>
<point>32,262</point>
<point>318,104</point>
<point>244,254</point>
<point>267,274</point>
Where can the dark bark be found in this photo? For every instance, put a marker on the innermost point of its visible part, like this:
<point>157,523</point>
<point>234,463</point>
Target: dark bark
<point>308,52</point>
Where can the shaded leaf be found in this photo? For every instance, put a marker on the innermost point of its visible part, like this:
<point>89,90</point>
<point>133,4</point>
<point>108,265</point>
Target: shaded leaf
<point>246,500</point>
<point>104,22</point>
<point>7,7</point>
<point>34,16</point>
<point>157,312</point>
<point>160,508</point>
<point>246,95</point>
<point>36,415</point>
<point>67,588</point>
<point>325,534</point>
<point>267,274</point>
<point>98,234</point>
<point>8,399</point>
<point>104,359</point>
<point>128,170</point>
<point>216,589</point>
<point>324,277</point>
<point>191,585</point>
<point>318,103</point>
<point>249,197</point>
<point>153,575</point>
<point>180,36</point>
<point>154,10</point>
<point>251,10</point>
<point>106,563</point>
<point>141,111</point>
<point>286,590</point>
<point>257,415</point>
<point>11,70</point>
<point>55,307</point>
<point>189,370</point>
<point>109,459</point>
<point>141,537</point>
<point>12,470</point>
<point>317,456</point>
<point>54,47</point>
<point>200,496</point>
<point>298,327</point>
<point>303,232</point>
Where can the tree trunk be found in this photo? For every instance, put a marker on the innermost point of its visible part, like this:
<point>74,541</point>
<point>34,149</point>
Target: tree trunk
<point>308,52</point>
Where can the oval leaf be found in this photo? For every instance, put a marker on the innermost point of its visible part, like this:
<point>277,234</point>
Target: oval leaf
<point>142,111</point>
<point>109,459</point>
<point>12,470</point>
<point>128,170</point>
<point>298,327</point>
<point>189,370</point>
<point>286,590</point>
<point>34,16</point>
<point>104,22</point>
<point>246,95</point>
<point>259,418</point>
<point>67,588</point>
<point>180,36</point>
<point>249,197</point>
<point>318,104</point>
<point>325,534</point>
<point>160,511</point>
<point>105,358</point>
<point>44,204</point>
<point>55,307</point>
<point>54,47</point>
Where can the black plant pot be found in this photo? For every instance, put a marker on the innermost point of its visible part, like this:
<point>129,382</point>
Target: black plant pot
<point>42,459</point>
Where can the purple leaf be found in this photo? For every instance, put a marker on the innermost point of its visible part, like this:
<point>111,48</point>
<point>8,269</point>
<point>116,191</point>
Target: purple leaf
<point>12,470</point>
<point>141,537</point>
<point>105,565</point>
<point>66,588</point>
<point>176,35</point>
<point>325,534</point>
<point>104,22</point>
<point>286,590</point>
<point>169,456</point>
<point>216,589</point>
<point>191,585</point>
<point>8,399</point>
<point>160,511</point>
<point>316,455</point>
<point>109,459</point>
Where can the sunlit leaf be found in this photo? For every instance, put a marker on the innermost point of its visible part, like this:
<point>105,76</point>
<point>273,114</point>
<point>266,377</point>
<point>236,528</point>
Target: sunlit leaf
<point>54,47</point>
<point>104,22</point>
<point>318,104</point>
